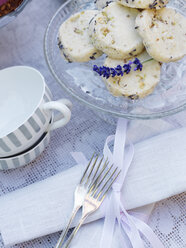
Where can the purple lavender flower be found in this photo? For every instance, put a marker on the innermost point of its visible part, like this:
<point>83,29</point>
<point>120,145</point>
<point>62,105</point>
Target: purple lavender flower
<point>95,68</point>
<point>118,70</point>
<point>136,61</point>
<point>138,64</point>
<point>106,72</point>
<point>113,72</point>
<point>127,68</point>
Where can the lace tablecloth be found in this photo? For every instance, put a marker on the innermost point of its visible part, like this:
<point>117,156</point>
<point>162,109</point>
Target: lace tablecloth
<point>21,43</point>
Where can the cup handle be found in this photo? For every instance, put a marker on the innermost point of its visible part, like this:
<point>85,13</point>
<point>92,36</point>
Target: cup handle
<point>63,106</point>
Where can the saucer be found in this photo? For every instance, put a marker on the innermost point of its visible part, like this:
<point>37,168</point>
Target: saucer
<point>27,156</point>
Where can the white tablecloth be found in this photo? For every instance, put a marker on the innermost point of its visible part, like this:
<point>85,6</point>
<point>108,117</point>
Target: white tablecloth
<point>21,43</point>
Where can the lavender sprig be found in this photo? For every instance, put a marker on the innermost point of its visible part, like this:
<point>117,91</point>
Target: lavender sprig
<point>119,70</point>
<point>138,64</point>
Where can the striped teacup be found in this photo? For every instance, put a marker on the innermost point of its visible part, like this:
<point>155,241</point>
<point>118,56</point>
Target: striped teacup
<point>26,108</point>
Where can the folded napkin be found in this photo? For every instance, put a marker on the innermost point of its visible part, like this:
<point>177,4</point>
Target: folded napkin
<point>90,234</point>
<point>156,172</point>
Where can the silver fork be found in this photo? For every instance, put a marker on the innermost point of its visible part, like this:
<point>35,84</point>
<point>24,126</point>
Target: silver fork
<point>94,197</point>
<point>80,192</point>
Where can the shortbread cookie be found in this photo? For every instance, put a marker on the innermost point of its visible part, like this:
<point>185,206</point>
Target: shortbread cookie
<point>100,4</point>
<point>74,41</point>
<point>136,84</point>
<point>144,4</point>
<point>164,33</point>
<point>113,31</point>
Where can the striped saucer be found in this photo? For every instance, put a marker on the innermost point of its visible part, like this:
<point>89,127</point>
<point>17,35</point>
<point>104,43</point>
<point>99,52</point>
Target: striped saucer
<point>26,157</point>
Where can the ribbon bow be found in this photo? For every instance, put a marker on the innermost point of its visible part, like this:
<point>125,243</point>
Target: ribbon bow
<point>129,223</point>
<point>132,226</point>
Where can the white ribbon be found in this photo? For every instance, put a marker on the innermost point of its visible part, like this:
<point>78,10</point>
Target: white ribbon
<point>129,223</point>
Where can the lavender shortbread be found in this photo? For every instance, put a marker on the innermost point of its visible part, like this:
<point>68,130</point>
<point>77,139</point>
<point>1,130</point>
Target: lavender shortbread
<point>136,84</point>
<point>113,32</point>
<point>74,41</point>
<point>164,33</point>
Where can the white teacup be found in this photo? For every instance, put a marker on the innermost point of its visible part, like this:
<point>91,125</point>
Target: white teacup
<point>26,108</point>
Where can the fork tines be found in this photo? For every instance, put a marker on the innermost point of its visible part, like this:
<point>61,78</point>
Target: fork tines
<point>95,183</point>
<point>99,177</point>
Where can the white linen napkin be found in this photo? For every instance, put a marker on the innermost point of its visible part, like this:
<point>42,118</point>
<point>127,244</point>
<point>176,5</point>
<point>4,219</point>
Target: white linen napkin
<point>90,234</point>
<point>157,172</point>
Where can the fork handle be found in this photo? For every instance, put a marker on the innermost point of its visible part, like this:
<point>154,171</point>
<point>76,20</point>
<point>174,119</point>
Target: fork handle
<point>65,231</point>
<point>75,231</point>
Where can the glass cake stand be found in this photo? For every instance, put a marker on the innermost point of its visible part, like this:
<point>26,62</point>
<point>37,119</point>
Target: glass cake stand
<point>80,81</point>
